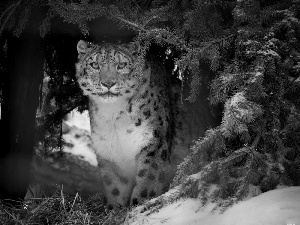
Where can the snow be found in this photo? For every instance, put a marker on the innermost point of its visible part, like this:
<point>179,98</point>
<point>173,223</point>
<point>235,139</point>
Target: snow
<point>238,112</point>
<point>80,148</point>
<point>281,206</point>
<point>242,108</point>
<point>268,52</point>
<point>236,99</point>
<point>80,123</point>
<point>80,120</point>
<point>277,207</point>
<point>251,42</point>
<point>185,211</point>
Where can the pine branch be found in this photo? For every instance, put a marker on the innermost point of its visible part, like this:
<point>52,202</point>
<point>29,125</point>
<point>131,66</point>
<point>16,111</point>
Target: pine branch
<point>134,25</point>
<point>236,157</point>
<point>10,10</point>
<point>50,119</point>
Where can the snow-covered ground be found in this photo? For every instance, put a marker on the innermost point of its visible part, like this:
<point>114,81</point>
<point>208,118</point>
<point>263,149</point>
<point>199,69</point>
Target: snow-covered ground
<point>79,123</point>
<point>277,207</point>
<point>80,120</point>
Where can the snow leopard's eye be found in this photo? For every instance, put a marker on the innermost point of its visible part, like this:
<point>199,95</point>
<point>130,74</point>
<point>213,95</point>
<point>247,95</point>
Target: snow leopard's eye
<point>121,65</point>
<point>95,65</point>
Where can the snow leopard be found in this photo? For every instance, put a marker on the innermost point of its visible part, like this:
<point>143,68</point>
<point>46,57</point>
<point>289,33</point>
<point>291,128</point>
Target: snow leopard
<point>134,120</point>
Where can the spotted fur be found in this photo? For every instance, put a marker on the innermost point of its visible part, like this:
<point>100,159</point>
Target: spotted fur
<point>132,121</point>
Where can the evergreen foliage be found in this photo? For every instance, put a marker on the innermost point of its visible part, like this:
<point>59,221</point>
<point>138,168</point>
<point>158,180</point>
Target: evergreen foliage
<point>252,45</point>
<point>254,143</point>
<point>60,95</point>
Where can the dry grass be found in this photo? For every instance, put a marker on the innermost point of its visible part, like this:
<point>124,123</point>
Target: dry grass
<point>60,209</point>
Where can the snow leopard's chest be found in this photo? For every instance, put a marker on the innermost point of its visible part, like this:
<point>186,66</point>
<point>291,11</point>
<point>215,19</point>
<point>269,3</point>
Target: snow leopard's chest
<point>121,131</point>
<point>120,141</point>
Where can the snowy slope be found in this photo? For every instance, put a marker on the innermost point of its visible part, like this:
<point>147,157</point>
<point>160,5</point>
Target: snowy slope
<point>281,206</point>
<point>277,207</point>
<point>79,123</point>
<point>80,120</point>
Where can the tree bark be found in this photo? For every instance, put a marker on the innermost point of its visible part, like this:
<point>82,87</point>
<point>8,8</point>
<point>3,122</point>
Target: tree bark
<point>20,101</point>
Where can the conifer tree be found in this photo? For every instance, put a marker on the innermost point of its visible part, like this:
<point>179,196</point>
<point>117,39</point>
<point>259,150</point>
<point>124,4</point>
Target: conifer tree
<point>256,145</point>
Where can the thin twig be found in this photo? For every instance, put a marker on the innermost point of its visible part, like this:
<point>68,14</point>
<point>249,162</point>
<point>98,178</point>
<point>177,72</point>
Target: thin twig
<point>40,205</point>
<point>129,23</point>
<point>31,191</point>
<point>76,196</point>
<point>14,218</point>
<point>11,9</point>
<point>255,142</point>
<point>62,196</point>
<point>137,5</point>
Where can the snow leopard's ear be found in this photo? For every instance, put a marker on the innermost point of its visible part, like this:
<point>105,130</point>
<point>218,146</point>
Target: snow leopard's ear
<point>83,47</point>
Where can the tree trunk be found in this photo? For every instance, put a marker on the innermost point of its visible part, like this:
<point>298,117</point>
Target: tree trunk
<point>20,101</point>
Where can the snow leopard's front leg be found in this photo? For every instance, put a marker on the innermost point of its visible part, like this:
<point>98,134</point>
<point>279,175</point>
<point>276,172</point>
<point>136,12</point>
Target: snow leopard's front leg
<point>150,177</point>
<point>117,188</point>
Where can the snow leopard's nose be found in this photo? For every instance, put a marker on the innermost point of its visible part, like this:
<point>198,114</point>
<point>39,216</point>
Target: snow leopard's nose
<point>108,84</point>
